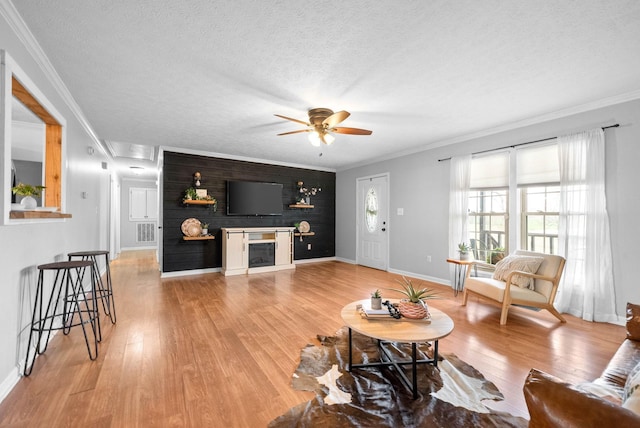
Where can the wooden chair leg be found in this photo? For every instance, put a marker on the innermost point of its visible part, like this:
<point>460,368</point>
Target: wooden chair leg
<point>465,296</point>
<point>504,313</point>
<point>555,313</point>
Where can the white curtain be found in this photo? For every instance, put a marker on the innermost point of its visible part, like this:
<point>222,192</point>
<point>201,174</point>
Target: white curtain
<point>459,179</point>
<point>587,289</point>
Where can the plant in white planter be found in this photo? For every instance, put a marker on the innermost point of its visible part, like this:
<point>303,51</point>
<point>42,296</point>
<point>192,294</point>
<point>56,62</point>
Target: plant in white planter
<point>376,300</point>
<point>414,305</point>
<point>28,192</point>
<point>205,228</point>
<point>465,251</point>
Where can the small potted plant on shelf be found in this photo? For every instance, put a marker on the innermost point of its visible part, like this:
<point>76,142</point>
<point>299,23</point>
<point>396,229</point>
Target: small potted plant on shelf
<point>376,300</point>
<point>28,192</point>
<point>413,305</point>
<point>205,228</point>
<point>465,251</point>
<point>190,194</point>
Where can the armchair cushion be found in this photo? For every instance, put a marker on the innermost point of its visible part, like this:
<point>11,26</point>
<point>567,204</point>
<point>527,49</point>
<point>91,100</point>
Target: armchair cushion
<point>529,264</point>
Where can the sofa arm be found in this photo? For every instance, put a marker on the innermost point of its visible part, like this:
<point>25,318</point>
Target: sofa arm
<point>554,403</point>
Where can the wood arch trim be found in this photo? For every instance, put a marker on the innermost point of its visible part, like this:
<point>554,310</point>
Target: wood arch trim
<point>53,144</point>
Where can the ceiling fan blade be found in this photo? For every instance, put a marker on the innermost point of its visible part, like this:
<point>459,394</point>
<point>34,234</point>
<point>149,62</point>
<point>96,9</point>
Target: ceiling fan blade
<point>295,132</point>
<point>292,119</point>
<point>352,131</point>
<point>336,118</point>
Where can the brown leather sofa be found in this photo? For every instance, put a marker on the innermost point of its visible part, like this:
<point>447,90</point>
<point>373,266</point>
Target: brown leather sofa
<point>554,403</point>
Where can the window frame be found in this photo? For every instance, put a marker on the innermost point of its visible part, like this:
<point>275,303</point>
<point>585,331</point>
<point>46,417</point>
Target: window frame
<point>525,235</point>
<point>472,217</point>
<point>14,82</point>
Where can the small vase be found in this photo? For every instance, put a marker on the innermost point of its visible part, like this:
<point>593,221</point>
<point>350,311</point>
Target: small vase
<point>307,200</point>
<point>466,256</point>
<point>413,310</point>
<point>29,203</point>
<point>376,303</point>
<point>205,232</point>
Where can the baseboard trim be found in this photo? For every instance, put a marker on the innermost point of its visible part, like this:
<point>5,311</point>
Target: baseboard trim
<point>316,260</point>
<point>9,383</point>
<point>188,272</point>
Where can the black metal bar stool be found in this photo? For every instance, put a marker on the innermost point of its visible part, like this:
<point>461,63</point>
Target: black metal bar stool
<point>68,305</point>
<point>104,288</point>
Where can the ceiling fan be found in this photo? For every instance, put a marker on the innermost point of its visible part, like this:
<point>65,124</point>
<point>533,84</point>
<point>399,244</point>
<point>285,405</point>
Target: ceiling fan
<point>322,122</point>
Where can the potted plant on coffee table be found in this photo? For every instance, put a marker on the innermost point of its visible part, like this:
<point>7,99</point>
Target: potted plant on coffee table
<point>413,305</point>
<point>376,300</point>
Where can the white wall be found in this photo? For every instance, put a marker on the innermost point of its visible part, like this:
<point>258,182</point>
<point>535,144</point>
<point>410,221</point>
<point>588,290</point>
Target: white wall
<point>419,184</point>
<point>25,246</point>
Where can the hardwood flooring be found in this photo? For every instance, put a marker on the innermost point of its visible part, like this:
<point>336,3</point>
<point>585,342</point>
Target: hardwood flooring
<point>209,350</point>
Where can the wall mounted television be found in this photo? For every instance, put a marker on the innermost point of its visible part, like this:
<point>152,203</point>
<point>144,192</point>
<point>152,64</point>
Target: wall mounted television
<point>253,198</point>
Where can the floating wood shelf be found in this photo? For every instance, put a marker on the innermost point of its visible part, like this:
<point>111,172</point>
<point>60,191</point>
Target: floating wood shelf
<point>300,206</point>
<point>198,238</point>
<point>304,234</point>
<point>37,214</point>
<point>197,202</point>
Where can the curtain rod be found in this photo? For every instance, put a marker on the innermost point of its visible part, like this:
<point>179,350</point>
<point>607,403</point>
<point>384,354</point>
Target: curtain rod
<point>522,144</point>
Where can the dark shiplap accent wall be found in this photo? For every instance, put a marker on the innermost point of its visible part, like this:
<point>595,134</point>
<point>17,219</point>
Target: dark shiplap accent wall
<point>178,170</point>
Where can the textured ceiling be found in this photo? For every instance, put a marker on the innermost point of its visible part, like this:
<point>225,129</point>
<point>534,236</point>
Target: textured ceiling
<point>209,75</point>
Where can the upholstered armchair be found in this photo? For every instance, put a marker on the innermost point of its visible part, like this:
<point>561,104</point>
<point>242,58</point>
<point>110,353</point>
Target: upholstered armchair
<point>523,278</point>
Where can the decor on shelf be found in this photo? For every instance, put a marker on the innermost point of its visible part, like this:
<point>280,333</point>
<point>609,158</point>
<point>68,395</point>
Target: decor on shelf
<point>376,300</point>
<point>306,193</point>
<point>191,227</point>
<point>199,196</point>
<point>28,192</point>
<point>205,228</point>
<point>196,179</point>
<point>465,251</point>
<point>414,305</point>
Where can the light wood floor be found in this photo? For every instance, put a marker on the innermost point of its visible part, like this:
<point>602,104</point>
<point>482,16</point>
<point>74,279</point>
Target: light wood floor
<point>210,350</point>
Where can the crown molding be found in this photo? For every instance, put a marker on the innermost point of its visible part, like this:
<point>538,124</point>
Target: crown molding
<point>21,30</point>
<point>236,157</point>
<point>547,117</point>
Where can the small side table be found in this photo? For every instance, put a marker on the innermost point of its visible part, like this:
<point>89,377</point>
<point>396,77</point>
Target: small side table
<point>460,273</point>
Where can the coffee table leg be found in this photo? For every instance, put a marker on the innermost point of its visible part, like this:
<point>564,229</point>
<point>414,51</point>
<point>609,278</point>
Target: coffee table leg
<point>435,353</point>
<point>415,369</point>
<point>350,361</point>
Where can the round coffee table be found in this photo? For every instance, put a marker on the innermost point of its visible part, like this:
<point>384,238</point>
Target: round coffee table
<point>402,330</point>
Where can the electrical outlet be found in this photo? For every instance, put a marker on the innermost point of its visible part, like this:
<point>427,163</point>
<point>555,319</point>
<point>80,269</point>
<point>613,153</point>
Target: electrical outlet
<point>308,246</point>
<point>429,259</point>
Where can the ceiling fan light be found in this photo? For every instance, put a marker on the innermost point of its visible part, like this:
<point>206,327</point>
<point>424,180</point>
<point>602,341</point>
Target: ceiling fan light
<point>328,139</point>
<point>314,138</point>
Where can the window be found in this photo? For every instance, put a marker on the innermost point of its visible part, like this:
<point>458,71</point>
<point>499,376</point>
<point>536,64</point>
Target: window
<point>19,92</point>
<point>371,210</point>
<point>540,206</point>
<point>488,223</point>
<point>522,182</point>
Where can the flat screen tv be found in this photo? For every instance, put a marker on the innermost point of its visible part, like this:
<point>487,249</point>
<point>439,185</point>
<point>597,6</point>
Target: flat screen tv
<point>252,198</point>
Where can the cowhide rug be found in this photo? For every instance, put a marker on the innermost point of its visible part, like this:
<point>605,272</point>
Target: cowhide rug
<point>449,396</point>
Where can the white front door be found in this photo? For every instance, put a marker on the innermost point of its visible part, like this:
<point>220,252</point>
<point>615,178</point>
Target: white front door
<point>372,222</point>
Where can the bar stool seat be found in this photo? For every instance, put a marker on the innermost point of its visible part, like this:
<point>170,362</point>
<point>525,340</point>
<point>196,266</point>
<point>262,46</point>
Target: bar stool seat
<point>68,305</point>
<point>104,288</point>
